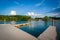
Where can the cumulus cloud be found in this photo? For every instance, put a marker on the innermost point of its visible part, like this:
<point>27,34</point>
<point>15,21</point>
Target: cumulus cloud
<point>13,12</point>
<point>32,14</point>
<point>38,4</point>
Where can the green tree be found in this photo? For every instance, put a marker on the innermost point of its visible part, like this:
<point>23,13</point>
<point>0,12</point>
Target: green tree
<point>46,18</point>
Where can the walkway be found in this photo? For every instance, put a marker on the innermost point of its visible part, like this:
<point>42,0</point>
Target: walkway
<point>48,34</point>
<point>9,32</point>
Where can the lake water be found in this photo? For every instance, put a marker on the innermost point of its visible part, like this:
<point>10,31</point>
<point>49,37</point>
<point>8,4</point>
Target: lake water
<point>57,24</point>
<point>37,27</point>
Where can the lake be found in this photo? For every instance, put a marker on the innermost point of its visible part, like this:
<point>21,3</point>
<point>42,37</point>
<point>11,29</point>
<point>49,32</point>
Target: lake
<point>37,27</point>
<point>57,24</point>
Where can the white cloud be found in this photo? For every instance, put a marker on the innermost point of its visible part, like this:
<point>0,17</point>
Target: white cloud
<point>32,14</point>
<point>13,12</point>
<point>38,4</point>
<point>29,13</point>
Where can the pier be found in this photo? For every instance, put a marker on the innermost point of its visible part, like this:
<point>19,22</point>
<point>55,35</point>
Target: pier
<point>20,25</point>
<point>48,34</point>
<point>9,32</point>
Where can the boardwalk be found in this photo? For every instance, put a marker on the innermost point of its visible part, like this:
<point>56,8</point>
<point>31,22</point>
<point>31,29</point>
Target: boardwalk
<point>9,32</point>
<point>49,34</point>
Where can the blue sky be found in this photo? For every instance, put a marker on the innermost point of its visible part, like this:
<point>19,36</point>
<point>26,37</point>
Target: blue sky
<point>24,6</point>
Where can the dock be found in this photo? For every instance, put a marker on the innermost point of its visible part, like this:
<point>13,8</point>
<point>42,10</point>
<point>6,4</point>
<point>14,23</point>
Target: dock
<point>20,25</point>
<point>48,34</point>
<point>9,32</point>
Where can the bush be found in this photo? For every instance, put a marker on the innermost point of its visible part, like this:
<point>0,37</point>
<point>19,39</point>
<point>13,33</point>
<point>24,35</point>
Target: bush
<point>46,18</point>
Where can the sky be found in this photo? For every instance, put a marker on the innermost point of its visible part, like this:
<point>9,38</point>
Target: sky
<point>28,7</point>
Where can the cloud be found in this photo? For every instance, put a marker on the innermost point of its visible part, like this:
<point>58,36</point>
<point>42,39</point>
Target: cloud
<point>55,8</point>
<point>39,4</point>
<point>16,2</point>
<point>13,12</point>
<point>32,14</point>
<point>52,14</point>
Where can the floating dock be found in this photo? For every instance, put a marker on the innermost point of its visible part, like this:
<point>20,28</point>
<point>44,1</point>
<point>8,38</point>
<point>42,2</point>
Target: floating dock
<point>9,32</point>
<point>20,25</point>
<point>48,34</point>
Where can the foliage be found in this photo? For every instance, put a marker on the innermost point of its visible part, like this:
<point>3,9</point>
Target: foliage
<point>14,18</point>
<point>38,19</point>
<point>46,18</point>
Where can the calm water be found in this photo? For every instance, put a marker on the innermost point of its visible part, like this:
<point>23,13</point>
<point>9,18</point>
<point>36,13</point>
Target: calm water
<point>57,24</point>
<point>10,22</point>
<point>37,27</point>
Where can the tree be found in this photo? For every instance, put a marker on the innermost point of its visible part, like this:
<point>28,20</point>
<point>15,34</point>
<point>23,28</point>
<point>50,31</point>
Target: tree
<point>46,18</point>
<point>14,18</point>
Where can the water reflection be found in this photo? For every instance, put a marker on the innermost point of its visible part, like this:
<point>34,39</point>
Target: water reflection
<point>32,24</point>
<point>57,24</point>
<point>36,27</point>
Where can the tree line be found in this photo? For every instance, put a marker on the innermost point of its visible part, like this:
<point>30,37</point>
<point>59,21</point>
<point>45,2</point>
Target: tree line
<point>14,18</point>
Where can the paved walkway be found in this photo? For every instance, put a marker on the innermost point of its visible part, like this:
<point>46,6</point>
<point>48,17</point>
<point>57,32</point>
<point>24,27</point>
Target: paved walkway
<point>48,34</point>
<point>9,32</point>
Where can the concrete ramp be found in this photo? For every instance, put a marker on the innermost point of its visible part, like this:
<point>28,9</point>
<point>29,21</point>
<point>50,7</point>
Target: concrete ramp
<point>9,32</point>
<point>48,34</point>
